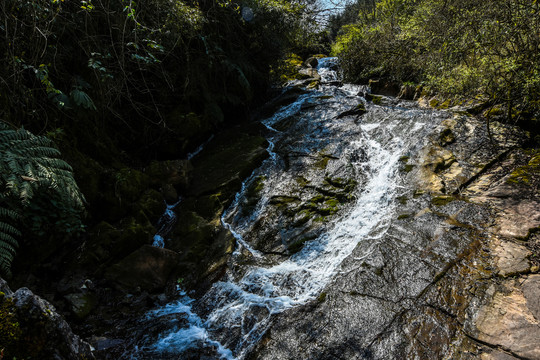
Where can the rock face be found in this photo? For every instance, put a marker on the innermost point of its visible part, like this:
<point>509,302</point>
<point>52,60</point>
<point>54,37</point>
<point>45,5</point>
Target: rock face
<point>31,328</point>
<point>510,320</point>
<point>147,268</point>
<point>510,258</point>
<point>481,301</point>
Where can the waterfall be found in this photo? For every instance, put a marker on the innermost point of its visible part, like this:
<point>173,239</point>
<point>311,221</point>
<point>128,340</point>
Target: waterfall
<point>234,314</point>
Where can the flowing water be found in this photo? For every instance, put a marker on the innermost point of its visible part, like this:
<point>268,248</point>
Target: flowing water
<point>311,146</point>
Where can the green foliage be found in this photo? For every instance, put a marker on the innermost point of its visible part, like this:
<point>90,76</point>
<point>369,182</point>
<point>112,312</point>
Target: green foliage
<point>122,67</point>
<point>32,176</point>
<point>461,48</point>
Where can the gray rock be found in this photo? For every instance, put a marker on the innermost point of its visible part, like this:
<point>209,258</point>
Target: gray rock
<point>4,287</point>
<point>531,291</point>
<point>46,334</point>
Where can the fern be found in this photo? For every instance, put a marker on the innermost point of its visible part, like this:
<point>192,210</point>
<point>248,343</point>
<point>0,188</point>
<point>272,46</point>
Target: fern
<point>28,164</point>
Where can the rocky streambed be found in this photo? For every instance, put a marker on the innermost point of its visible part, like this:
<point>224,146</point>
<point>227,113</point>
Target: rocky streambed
<point>339,225</point>
<point>375,229</point>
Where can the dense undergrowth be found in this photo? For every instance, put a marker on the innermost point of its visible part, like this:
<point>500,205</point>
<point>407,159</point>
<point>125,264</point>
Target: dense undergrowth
<point>117,83</point>
<point>457,48</point>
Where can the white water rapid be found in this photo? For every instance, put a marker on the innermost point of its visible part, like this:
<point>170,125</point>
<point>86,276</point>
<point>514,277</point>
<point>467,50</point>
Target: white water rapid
<point>233,315</point>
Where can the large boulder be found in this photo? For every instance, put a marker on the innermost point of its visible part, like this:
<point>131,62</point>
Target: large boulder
<point>30,327</point>
<point>147,268</point>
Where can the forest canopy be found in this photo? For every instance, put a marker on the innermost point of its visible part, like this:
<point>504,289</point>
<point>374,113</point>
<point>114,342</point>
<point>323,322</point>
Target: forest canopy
<point>117,83</point>
<point>460,48</point>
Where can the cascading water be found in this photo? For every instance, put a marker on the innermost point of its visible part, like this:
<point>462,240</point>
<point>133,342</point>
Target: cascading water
<point>319,148</point>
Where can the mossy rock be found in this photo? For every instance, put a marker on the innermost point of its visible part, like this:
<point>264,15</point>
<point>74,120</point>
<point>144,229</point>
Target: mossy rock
<point>443,164</point>
<point>192,235</point>
<point>525,174</point>
<point>494,111</point>
<point>402,200</point>
<point>285,123</point>
<point>322,297</point>
<point>445,104</point>
<point>314,84</point>
<point>10,330</point>
<point>407,168</point>
<point>130,184</point>
<point>209,206</point>
<point>447,137</point>
<point>147,268</point>
<point>434,102</point>
<point>174,172</point>
<point>152,204</point>
<point>377,100</point>
<point>283,200</point>
<point>442,200</point>
<point>298,245</point>
<point>404,159</point>
<point>253,194</point>
<point>107,243</point>
<point>225,162</point>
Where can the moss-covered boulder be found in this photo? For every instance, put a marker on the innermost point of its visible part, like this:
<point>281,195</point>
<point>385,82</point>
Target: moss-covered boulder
<point>174,172</point>
<point>147,268</point>
<point>107,243</point>
<point>30,328</point>
<point>227,160</point>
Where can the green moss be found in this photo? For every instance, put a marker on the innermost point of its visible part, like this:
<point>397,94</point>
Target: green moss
<point>314,84</point>
<point>333,203</point>
<point>444,164</point>
<point>302,181</point>
<point>322,163</point>
<point>322,297</point>
<point>408,168</point>
<point>494,111</point>
<point>130,184</point>
<point>360,107</point>
<point>446,104</point>
<point>402,200</point>
<point>442,200</point>
<point>446,137</point>
<point>303,217</point>
<point>282,200</point>
<point>10,330</point>
<point>524,174</point>
<point>418,193</point>
<point>433,102</point>
<point>404,159</point>
<point>152,204</point>
<point>253,194</point>
<point>404,216</point>
<point>377,100</point>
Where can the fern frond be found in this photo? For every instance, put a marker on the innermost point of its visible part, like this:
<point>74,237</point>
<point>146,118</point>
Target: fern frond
<point>6,228</point>
<point>29,163</point>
